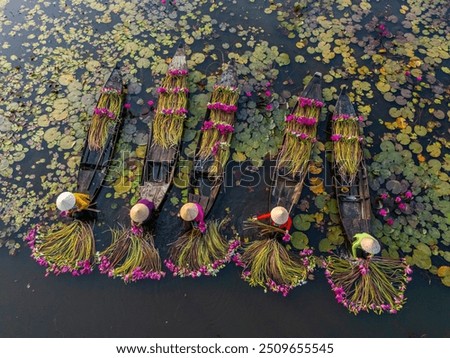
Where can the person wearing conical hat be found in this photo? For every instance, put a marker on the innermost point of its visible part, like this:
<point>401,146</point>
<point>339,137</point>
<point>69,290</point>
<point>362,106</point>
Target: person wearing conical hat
<point>141,211</point>
<point>69,203</point>
<point>279,217</point>
<point>367,243</point>
<point>194,212</point>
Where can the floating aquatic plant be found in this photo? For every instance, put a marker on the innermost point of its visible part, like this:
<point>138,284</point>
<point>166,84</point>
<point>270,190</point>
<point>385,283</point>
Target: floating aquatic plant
<point>63,248</point>
<point>267,263</point>
<point>132,256</point>
<point>372,284</point>
<point>195,253</point>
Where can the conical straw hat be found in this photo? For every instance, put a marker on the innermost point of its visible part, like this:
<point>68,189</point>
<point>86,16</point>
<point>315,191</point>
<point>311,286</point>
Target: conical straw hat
<point>139,213</point>
<point>370,245</point>
<point>279,215</point>
<point>189,212</point>
<point>65,201</point>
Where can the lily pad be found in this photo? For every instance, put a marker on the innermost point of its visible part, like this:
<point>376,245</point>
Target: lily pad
<point>299,240</point>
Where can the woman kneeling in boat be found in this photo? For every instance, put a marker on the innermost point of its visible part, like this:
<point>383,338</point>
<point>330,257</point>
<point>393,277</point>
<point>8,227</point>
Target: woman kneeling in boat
<point>141,213</point>
<point>73,204</point>
<point>279,217</point>
<point>193,212</point>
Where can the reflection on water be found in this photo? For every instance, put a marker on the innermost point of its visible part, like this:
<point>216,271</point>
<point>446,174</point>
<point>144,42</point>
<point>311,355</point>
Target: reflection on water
<point>69,60</point>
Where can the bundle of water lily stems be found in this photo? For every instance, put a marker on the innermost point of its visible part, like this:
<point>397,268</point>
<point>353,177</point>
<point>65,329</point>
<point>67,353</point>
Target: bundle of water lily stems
<point>63,248</point>
<point>218,130</point>
<point>132,256</point>
<point>195,254</point>
<point>171,111</point>
<point>347,149</point>
<point>268,264</point>
<point>373,284</point>
<point>300,134</point>
<point>108,110</point>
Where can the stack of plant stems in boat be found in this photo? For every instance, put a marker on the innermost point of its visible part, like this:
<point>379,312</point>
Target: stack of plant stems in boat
<point>218,129</point>
<point>171,111</point>
<point>347,149</point>
<point>300,134</point>
<point>108,110</point>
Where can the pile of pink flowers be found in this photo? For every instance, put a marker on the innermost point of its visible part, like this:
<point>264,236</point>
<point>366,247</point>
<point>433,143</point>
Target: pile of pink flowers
<point>227,108</point>
<point>137,274</point>
<point>340,137</point>
<point>223,128</point>
<point>104,112</point>
<point>179,111</point>
<point>303,136</point>
<point>301,120</point>
<point>111,90</point>
<point>308,102</point>
<point>177,72</point>
<point>172,90</point>
<point>206,270</point>
<point>347,117</point>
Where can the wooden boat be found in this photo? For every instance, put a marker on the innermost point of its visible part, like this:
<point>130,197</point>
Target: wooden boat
<point>160,162</point>
<point>205,182</point>
<point>94,163</point>
<point>352,194</point>
<point>287,184</point>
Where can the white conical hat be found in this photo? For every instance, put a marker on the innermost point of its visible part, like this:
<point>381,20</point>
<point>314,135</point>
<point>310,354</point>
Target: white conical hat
<point>189,212</point>
<point>370,245</point>
<point>139,213</point>
<point>65,201</point>
<point>279,215</point>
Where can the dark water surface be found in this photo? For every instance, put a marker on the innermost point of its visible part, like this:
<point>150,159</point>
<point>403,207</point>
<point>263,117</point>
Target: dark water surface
<point>96,306</point>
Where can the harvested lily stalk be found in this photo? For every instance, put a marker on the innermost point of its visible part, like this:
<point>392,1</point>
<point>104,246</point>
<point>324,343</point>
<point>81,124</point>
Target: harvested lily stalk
<point>218,129</point>
<point>108,111</point>
<point>372,284</point>
<point>63,248</point>
<point>132,256</point>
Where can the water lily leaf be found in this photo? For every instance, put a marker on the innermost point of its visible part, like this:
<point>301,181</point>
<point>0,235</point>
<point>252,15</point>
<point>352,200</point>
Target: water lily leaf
<point>403,138</point>
<point>416,147</point>
<point>239,157</point>
<point>434,149</point>
<point>325,245</point>
<point>67,142</point>
<point>300,223</point>
<point>420,130</point>
<point>443,271</point>
<point>299,240</point>
<point>335,235</point>
<point>394,186</point>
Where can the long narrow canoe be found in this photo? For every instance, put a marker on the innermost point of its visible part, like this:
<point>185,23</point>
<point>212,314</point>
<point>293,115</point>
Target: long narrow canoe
<point>352,191</point>
<point>160,162</point>
<point>94,163</point>
<point>291,169</point>
<point>208,171</point>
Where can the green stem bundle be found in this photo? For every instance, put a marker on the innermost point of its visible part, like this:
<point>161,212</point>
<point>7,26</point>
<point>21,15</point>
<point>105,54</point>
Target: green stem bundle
<point>376,283</point>
<point>168,127</point>
<point>131,256</point>
<point>195,254</point>
<point>98,130</point>
<point>65,248</point>
<point>298,141</point>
